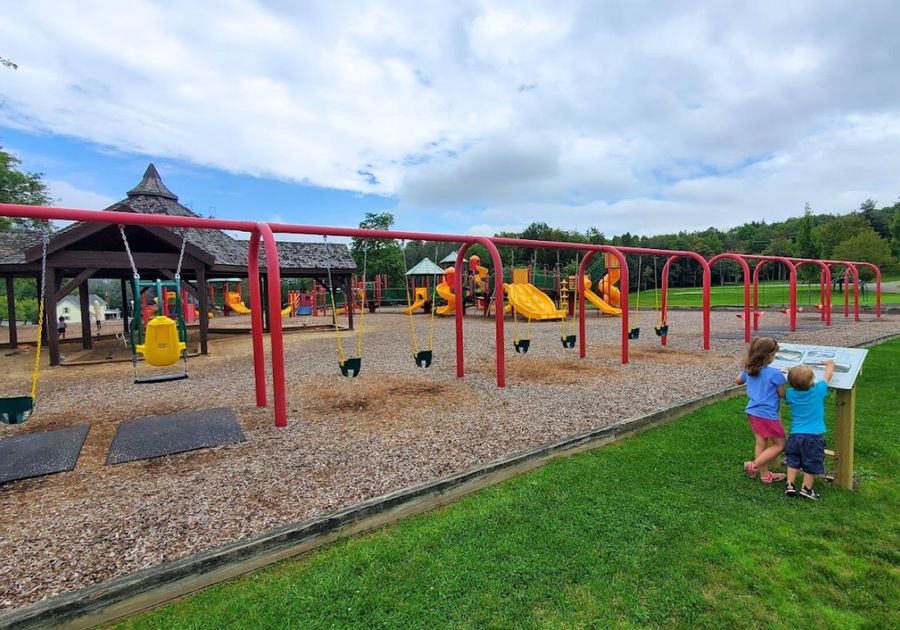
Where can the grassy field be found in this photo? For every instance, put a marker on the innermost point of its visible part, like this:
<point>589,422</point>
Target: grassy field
<point>660,530</point>
<point>770,294</point>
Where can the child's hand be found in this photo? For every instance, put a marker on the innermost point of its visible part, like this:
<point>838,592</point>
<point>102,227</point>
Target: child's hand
<point>829,370</point>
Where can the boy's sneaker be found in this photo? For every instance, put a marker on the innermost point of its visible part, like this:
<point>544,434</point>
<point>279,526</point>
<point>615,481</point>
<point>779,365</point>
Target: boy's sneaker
<point>809,493</point>
<point>790,490</point>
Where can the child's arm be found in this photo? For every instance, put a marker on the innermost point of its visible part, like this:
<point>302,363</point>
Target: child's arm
<point>739,379</point>
<point>781,391</point>
<point>829,370</point>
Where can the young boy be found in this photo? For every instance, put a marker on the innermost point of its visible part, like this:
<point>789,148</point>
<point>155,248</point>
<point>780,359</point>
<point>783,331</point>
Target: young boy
<point>61,327</point>
<point>805,448</point>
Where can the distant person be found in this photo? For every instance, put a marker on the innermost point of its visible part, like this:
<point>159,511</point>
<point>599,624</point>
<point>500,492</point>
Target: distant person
<point>98,315</point>
<point>765,389</point>
<point>805,449</point>
<point>61,327</point>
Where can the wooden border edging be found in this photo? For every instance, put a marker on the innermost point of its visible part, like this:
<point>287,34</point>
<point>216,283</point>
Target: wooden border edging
<point>148,588</point>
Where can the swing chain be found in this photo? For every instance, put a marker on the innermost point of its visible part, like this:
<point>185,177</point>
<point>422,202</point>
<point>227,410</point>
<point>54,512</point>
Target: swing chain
<point>183,233</point>
<point>128,251</point>
<point>45,241</point>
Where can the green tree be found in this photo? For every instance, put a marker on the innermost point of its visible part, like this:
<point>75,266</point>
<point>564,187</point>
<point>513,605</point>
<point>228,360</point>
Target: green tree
<point>895,229</point>
<point>878,219</point>
<point>378,255</point>
<point>22,187</point>
<point>805,244</point>
<point>837,229</point>
<point>868,246</point>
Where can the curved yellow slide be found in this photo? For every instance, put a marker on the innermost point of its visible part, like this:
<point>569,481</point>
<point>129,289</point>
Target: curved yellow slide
<point>418,302</point>
<point>607,286</point>
<point>239,307</point>
<point>443,289</point>
<point>597,301</point>
<point>531,302</point>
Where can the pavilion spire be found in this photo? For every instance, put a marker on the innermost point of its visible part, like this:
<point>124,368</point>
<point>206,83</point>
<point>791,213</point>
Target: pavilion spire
<point>152,186</point>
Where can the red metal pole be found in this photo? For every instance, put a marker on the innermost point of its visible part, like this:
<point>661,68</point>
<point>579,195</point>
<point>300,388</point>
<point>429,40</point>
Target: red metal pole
<point>276,340</point>
<point>855,291</point>
<point>847,273</point>
<point>792,284</point>
<point>759,265</point>
<point>745,268</point>
<point>623,292</point>
<point>256,323</point>
<point>498,308</point>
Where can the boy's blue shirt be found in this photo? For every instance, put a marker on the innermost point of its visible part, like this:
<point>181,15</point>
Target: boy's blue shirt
<point>808,408</point>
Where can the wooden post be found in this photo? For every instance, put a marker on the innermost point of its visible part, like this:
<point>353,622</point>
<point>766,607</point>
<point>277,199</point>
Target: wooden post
<point>11,311</point>
<point>124,285</point>
<point>85,308</point>
<point>349,299</point>
<point>50,316</point>
<point>845,420</point>
<point>203,298</point>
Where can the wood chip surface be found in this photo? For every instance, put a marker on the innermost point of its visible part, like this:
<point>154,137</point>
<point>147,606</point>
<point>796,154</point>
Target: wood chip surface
<point>347,439</point>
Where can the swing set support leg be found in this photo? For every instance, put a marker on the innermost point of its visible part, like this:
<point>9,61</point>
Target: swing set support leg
<point>498,309</point>
<point>276,340</point>
<point>256,323</point>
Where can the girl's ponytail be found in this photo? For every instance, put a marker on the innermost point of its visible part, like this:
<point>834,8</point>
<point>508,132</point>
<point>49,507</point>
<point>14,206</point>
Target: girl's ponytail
<point>758,353</point>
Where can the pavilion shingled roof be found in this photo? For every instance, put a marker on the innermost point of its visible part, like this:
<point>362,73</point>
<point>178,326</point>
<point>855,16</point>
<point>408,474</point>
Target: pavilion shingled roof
<point>152,196</point>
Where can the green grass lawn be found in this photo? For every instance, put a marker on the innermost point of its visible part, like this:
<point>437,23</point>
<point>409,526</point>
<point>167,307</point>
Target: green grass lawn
<point>770,294</point>
<point>660,530</point>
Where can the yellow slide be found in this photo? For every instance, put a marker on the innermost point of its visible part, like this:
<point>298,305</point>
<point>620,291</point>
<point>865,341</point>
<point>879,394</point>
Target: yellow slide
<point>531,302</point>
<point>418,302</point>
<point>236,304</point>
<point>607,286</point>
<point>443,289</point>
<point>597,301</point>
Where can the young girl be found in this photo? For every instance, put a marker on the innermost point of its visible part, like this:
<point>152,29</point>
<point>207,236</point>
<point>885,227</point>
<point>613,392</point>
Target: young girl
<point>765,389</point>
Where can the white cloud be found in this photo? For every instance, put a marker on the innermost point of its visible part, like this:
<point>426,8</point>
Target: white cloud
<point>66,195</point>
<point>625,115</point>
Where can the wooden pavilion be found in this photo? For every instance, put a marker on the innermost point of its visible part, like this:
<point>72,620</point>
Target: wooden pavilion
<point>82,251</point>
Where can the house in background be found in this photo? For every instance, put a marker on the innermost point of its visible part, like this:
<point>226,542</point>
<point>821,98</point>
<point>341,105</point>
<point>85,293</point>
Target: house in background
<point>69,308</point>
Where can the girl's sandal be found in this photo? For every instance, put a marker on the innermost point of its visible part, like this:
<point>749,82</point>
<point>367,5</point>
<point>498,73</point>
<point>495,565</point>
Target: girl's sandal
<point>750,469</point>
<point>772,477</point>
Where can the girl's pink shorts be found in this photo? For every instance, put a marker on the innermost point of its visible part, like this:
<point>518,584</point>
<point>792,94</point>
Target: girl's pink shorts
<point>765,428</point>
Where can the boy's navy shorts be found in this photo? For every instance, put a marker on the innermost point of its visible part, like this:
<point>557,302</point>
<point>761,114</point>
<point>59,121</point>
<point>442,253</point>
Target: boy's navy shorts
<point>806,452</point>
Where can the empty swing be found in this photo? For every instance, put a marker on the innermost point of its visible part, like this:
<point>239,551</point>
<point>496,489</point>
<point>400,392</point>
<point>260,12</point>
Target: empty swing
<point>424,357</point>
<point>566,333</point>
<point>662,328</point>
<point>163,340</point>
<point>17,409</point>
<point>349,366</point>
<point>519,343</point>
<point>635,333</point>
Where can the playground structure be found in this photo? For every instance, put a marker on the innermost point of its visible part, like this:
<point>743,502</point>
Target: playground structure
<point>264,232</point>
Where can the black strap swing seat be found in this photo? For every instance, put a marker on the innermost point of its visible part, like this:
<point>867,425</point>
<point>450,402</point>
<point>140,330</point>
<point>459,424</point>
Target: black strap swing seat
<point>566,337</point>
<point>350,367</point>
<point>16,409</point>
<point>521,345</point>
<point>634,333</point>
<point>423,358</point>
<point>662,330</point>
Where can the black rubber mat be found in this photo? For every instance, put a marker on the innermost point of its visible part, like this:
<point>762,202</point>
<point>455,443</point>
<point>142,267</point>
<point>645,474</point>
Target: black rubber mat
<point>42,453</point>
<point>155,436</point>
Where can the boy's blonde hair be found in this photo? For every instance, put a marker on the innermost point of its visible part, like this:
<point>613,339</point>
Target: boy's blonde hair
<point>801,377</point>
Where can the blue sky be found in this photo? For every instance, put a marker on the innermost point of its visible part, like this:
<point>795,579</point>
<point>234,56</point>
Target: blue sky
<point>98,176</point>
<point>467,117</point>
